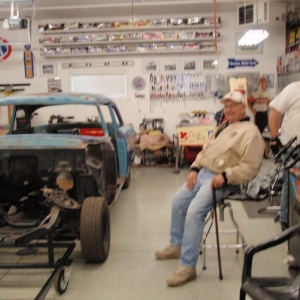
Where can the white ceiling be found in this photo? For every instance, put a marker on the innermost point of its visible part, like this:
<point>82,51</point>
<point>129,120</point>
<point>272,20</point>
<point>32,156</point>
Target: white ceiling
<point>73,9</point>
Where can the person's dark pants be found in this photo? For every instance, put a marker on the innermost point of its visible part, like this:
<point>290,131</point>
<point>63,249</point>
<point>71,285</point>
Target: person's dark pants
<point>261,120</point>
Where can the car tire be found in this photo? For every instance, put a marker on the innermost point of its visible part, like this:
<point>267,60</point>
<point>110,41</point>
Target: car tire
<point>128,179</point>
<point>95,229</point>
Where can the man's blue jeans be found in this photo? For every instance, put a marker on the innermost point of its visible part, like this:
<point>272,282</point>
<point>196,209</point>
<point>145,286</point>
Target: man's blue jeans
<point>189,210</point>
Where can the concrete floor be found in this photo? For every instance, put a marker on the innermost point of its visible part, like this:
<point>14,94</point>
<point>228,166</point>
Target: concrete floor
<point>139,226</point>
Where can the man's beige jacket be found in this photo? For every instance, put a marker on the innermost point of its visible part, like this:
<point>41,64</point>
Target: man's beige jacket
<point>237,150</point>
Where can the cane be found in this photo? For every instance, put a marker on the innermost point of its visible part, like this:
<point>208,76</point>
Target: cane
<point>217,232</point>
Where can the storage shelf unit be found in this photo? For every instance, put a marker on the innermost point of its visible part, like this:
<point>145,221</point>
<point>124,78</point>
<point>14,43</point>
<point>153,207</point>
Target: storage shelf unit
<point>113,46</point>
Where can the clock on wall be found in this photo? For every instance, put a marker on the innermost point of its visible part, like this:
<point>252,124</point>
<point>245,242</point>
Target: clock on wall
<point>138,83</point>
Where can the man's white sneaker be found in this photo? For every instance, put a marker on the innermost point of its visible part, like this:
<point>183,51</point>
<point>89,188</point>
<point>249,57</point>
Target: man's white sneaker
<point>182,275</point>
<point>169,252</point>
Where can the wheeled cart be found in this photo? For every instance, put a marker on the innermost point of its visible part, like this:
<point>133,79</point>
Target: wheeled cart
<point>36,238</point>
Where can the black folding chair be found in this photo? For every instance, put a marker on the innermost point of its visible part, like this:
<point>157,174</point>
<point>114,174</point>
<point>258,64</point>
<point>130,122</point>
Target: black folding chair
<point>269,288</point>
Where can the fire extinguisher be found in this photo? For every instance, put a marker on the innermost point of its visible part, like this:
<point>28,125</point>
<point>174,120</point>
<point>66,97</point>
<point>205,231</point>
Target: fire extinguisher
<point>28,62</point>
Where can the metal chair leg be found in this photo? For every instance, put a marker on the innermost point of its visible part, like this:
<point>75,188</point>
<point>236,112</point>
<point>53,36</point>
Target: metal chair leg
<point>238,232</point>
<point>203,244</point>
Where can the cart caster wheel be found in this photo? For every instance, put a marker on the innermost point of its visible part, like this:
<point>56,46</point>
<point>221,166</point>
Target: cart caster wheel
<point>237,251</point>
<point>61,282</point>
<point>204,268</point>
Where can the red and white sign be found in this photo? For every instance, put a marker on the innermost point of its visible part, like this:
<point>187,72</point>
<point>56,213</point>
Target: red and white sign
<point>5,50</point>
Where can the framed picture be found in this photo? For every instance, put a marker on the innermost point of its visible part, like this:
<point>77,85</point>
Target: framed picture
<point>190,65</point>
<point>169,65</point>
<point>150,65</point>
<point>270,80</point>
<point>207,64</point>
<point>246,49</point>
<point>54,85</point>
<point>48,70</point>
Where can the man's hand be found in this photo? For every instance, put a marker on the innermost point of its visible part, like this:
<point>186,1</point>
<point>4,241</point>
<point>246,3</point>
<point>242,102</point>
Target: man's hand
<point>275,145</point>
<point>217,181</point>
<point>191,180</point>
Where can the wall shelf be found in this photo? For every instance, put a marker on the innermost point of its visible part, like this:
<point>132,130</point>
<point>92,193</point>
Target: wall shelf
<point>135,40</point>
<point>130,29</point>
<point>169,52</point>
<point>74,44</point>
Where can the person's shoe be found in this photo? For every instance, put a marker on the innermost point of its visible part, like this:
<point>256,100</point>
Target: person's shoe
<point>169,252</point>
<point>182,275</point>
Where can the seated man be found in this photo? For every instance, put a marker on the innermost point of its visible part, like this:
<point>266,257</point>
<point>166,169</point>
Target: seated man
<point>232,156</point>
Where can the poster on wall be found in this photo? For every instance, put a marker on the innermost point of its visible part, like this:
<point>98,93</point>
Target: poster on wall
<point>270,80</point>
<point>54,85</point>
<point>209,65</point>
<point>238,84</point>
<point>170,65</point>
<point>48,70</point>
<point>289,62</point>
<point>190,65</point>
<point>150,65</point>
<point>293,40</point>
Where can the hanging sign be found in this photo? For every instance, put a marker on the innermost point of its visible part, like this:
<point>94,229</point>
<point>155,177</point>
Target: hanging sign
<point>239,63</point>
<point>28,62</point>
<point>5,50</point>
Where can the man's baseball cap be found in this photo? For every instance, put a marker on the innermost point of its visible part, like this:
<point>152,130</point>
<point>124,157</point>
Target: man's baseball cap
<point>235,96</point>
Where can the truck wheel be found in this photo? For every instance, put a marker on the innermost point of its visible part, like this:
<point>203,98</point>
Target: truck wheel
<point>128,179</point>
<point>95,229</point>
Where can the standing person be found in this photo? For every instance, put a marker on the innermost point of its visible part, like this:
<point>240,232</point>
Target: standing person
<point>258,103</point>
<point>287,104</point>
<point>232,156</point>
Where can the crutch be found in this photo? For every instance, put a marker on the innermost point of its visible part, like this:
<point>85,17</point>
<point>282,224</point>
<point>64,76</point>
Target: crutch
<point>217,233</point>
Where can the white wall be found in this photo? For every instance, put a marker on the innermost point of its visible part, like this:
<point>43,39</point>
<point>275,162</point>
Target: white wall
<point>132,108</point>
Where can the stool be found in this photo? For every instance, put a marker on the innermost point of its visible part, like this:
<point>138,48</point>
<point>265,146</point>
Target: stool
<point>240,241</point>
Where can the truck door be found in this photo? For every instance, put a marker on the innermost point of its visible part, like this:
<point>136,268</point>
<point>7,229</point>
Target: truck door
<point>123,138</point>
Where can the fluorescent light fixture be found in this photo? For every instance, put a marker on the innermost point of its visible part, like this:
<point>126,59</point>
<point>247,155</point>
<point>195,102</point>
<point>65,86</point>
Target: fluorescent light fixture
<point>253,37</point>
<point>215,62</point>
